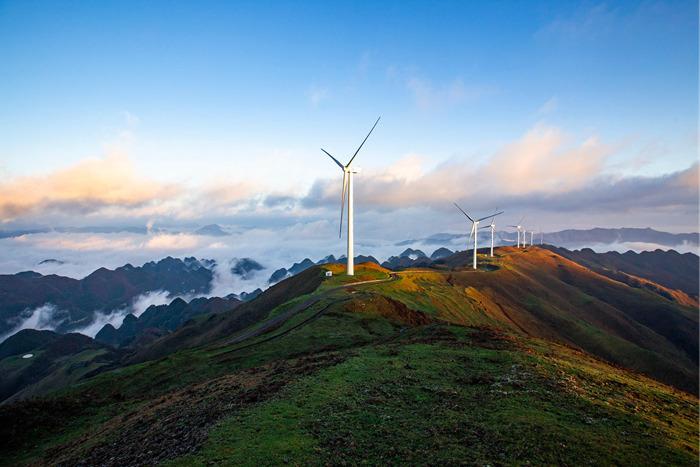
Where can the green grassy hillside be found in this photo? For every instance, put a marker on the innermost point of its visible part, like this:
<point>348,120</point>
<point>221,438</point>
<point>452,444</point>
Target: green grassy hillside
<point>521,362</point>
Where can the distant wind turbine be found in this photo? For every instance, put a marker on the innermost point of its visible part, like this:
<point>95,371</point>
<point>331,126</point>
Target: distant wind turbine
<point>348,191</point>
<point>519,227</point>
<point>492,226</point>
<point>475,228</point>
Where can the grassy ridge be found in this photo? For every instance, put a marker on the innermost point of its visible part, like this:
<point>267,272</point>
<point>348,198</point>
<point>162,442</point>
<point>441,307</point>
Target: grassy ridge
<point>541,294</point>
<point>446,367</point>
<point>454,395</point>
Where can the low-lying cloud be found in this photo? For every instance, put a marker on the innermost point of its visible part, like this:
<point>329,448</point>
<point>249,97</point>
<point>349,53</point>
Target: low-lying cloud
<point>40,318</point>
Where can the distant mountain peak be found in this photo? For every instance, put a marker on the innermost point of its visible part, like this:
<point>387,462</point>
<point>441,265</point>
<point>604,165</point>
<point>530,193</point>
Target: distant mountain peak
<point>212,230</point>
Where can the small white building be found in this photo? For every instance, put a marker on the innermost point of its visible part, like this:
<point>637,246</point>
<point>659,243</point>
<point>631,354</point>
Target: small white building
<point>329,273</point>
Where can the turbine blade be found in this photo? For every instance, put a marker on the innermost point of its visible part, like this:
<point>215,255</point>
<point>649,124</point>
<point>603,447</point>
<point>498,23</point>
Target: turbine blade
<point>342,202</point>
<point>471,232</point>
<point>463,212</point>
<point>363,142</point>
<point>334,159</point>
<point>492,215</point>
<point>521,220</point>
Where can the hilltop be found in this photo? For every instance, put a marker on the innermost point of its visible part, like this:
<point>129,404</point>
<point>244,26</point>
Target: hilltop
<point>533,358</point>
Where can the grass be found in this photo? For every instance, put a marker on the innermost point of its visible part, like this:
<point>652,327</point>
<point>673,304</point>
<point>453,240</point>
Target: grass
<point>452,400</point>
<point>410,384</point>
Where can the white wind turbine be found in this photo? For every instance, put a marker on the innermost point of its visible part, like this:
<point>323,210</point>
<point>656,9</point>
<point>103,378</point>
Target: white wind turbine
<point>519,227</point>
<point>532,236</point>
<point>348,190</point>
<point>475,228</point>
<point>492,226</point>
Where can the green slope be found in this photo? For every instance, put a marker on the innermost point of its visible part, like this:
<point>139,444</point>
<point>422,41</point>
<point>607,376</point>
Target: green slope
<point>431,367</point>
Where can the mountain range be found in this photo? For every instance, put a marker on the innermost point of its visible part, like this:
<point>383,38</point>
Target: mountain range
<point>75,301</point>
<point>538,356</point>
<point>574,237</point>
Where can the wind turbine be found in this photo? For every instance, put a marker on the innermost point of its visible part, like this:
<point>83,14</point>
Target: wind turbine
<point>475,228</point>
<point>492,226</point>
<point>532,235</point>
<point>348,191</point>
<point>519,227</point>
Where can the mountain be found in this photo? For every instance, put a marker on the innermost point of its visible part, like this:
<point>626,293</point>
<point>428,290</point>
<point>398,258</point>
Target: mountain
<point>25,341</point>
<point>407,258</point>
<point>278,275</point>
<point>668,268</point>
<point>212,230</point>
<point>579,238</point>
<point>75,301</point>
<point>163,318</point>
<point>327,259</point>
<point>359,259</point>
<point>296,268</point>
<point>532,359</point>
<point>246,268</point>
<point>36,362</point>
<point>533,291</point>
<point>413,254</point>
<point>52,261</point>
<point>441,253</point>
<point>624,235</point>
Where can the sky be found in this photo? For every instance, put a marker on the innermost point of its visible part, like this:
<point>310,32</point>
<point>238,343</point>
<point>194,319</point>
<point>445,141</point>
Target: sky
<point>174,115</point>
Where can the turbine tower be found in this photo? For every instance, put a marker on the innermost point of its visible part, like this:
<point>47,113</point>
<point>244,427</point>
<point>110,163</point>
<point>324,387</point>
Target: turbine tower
<point>492,226</point>
<point>475,228</point>
<point>348,192</point>
<point>519,227</point>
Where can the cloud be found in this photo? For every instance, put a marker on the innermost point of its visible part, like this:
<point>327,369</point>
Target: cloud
<point>84,188</point>
<point>317,94</point>
<point>171,242</point>
<point>428,96</point>
<point>130,119</point>
<point>549,106</point>
<point>543,161</point>
<point>40,318</point>
<point>82,242</point>
<point>585,23</point>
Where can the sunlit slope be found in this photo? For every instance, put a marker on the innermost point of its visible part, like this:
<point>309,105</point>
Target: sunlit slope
<point>539,293</point>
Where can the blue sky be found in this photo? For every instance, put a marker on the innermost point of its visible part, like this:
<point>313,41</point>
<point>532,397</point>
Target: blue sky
<point>210,111</point>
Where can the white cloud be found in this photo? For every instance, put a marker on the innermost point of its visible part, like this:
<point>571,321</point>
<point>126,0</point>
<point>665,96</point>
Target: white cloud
<point>173,242</point>
<point>40,318</point>
<point>549,107</point>
<point>317,94</point>
<point>428,96</point>
<point>84,188</point>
